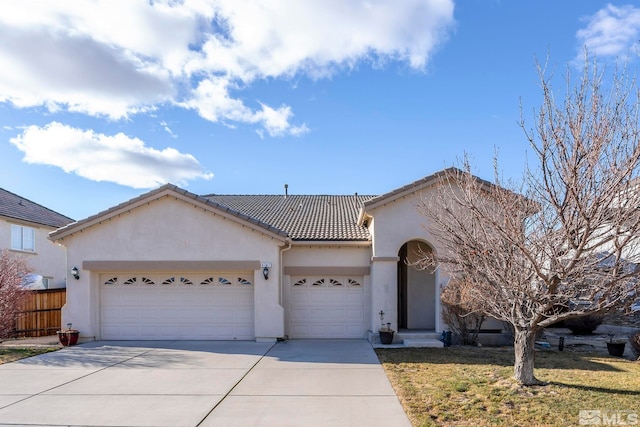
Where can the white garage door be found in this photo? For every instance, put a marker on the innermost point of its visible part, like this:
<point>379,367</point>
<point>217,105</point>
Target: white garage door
<point>326,307</point>
<point>177,306</point>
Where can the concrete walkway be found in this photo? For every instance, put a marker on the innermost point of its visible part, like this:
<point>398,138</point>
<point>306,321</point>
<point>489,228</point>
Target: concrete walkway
<point>201,383</point>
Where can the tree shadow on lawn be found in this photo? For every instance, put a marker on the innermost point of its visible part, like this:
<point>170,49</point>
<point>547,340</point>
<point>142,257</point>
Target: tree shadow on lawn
<point>497,356</point>
<point>595,389</point>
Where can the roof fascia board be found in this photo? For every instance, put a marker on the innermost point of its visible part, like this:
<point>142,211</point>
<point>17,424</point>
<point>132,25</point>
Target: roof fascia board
<point>353,243</point>
<point>393,197</point>
<point>401,192</point>
<point>33,224</point>
<point>421,185</point>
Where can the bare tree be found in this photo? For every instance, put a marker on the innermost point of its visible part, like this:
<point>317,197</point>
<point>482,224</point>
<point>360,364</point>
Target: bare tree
<point>562,243</point>
<point>12,271</point>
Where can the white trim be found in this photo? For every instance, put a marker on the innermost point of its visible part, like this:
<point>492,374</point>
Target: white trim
<point>385,258</point>
<point>336,243</point>
<point>127,266</point>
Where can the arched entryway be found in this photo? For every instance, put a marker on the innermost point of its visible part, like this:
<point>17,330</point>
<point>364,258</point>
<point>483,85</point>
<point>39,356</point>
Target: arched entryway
<point>416,289</point>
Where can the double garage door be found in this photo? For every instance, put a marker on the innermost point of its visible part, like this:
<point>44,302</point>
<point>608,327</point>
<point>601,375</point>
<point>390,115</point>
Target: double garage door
<point>220,306</point>
<point>326,307</point>
<point>216,306</point>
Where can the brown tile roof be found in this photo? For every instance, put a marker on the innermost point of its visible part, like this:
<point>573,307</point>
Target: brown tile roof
<point>303,217</point>
<point>299,217</point>
<point>17,207</point>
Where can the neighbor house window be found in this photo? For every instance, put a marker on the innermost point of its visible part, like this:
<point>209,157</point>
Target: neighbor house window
<point>23,238</point>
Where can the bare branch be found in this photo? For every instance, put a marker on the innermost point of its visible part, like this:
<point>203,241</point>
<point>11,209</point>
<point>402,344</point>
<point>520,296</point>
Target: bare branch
<point>12,271</point>
<point>564,242</point>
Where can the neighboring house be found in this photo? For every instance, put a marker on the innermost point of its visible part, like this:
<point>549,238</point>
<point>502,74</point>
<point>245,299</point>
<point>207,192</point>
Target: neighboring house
<point>24,230</point>
<point>170,264</point>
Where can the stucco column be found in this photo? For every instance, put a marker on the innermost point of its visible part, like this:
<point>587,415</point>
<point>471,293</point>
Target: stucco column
<point>268,313</point>
<point>384,290</point>
<point>82,303</point>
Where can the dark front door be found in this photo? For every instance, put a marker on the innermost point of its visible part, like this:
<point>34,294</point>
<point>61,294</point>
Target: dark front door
<point>402,288</point>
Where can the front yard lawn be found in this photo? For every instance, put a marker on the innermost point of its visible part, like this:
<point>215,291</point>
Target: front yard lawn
<point>11,354</point>
<point>473,386</point>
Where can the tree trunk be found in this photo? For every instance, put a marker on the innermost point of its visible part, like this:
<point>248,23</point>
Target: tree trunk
<point>524,346</point>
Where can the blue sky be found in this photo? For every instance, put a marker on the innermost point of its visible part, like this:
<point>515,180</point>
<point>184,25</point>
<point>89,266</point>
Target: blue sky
<point>103,100</point>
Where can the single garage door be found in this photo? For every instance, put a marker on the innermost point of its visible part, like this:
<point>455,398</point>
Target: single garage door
<point>326,307</point>
<point>181,306</point>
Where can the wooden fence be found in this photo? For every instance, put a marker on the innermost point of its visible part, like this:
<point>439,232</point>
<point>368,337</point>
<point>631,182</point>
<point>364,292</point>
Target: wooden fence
<point>41,314</point>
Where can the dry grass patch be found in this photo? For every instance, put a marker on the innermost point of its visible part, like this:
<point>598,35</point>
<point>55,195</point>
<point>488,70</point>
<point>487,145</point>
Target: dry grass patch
<point>11,354</point>
<point>473,386</point>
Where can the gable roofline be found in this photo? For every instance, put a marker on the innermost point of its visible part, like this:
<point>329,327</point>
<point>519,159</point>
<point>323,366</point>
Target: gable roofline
<point>415,187</point>
<point>180,194</point>
<point>18,208</point>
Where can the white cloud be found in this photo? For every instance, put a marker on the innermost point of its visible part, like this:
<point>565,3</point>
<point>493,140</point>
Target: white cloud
<point>116,58</point>
<point>98,157</point>
<point>167,129</point>
<point>212,101</point>
<point>611,31</point>
<point>276,121</point>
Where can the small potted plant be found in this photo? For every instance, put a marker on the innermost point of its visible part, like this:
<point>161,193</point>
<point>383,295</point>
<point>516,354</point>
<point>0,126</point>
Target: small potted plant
<point>386,333</point>
<point>615,347</point>
<point>68,336</point>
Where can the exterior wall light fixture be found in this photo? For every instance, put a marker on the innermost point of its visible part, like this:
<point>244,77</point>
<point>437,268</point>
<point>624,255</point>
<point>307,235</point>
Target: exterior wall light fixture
<point>75,273</point>
<point>265,269</point>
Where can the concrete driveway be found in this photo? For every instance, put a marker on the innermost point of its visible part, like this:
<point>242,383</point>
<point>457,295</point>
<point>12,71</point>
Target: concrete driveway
<point>201,383</point>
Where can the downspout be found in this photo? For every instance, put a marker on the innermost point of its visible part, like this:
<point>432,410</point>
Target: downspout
<point>281,272</point>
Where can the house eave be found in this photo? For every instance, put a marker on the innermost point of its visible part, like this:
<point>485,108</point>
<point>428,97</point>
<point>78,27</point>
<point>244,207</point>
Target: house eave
<point>35,224</point>
<point>350,243</point>
<point>418,186</point>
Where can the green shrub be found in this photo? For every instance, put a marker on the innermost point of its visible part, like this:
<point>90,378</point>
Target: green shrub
<point>584,325</point>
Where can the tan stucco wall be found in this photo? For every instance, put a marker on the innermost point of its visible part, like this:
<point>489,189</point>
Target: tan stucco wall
<point>395,224</point>
<point>170,229</point>
<point>48,260</point>
<point>334,256</point>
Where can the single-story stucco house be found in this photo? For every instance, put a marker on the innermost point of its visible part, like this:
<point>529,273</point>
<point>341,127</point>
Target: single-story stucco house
<point>170,264</point>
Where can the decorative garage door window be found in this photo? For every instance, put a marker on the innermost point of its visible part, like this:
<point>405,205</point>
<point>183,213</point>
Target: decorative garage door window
<point>176,280</point>
<point>328,282</point>
<point>326,307</point>
<point>202,305</point>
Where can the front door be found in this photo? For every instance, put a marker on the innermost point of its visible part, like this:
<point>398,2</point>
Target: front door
<point>416,289</point>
